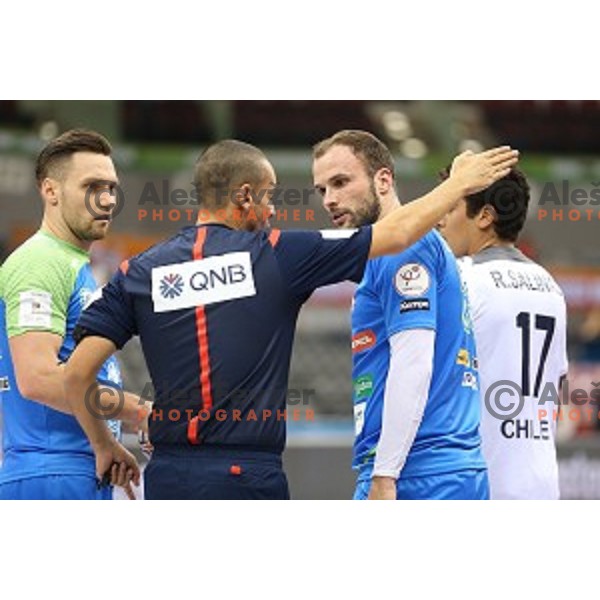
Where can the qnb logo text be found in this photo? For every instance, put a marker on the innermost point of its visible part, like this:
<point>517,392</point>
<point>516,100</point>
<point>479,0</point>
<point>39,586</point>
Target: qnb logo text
<point>203,280</point>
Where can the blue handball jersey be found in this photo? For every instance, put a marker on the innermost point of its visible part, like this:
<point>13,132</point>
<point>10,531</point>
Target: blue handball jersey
<point>44,286</point>
<point>216,310</point>
<point>417,289</point>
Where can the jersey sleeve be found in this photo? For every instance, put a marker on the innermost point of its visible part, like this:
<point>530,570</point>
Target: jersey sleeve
<point>407,287</point>
<point>110,314</point>
<point>405,397</point>
<point>312,259</point>
<point>36,293</point>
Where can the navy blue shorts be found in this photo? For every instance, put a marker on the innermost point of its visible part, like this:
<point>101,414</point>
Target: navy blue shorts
<point>55,487</point>
<point>470,484</point>
<point>213,473</point>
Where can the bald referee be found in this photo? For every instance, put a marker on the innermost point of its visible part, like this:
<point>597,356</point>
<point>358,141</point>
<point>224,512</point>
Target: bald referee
<point>216,306</point>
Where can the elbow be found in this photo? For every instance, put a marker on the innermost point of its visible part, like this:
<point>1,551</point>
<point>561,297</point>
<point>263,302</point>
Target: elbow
<point>30,388</point>
<point>34,386</point>
<point>31,381</point>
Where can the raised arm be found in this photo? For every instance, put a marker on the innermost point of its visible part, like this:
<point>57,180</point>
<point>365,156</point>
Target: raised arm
<point>470,173</point>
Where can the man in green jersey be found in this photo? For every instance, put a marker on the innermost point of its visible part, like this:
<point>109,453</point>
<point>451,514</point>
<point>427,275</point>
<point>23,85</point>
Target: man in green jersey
<point>44,286</point>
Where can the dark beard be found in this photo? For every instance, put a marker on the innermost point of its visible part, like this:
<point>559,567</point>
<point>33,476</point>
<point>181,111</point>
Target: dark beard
<point>370,212</point>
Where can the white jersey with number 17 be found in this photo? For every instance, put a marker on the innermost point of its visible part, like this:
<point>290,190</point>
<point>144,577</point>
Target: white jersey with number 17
<point>519,316</point>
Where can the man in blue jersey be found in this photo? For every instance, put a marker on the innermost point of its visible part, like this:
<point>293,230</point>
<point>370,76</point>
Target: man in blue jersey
<point>215,307</point>
<point>416,400</point>
<point>44,286</point>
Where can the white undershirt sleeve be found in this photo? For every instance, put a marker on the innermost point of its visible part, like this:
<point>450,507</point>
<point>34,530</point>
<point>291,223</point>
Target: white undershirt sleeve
<point>406,392</point>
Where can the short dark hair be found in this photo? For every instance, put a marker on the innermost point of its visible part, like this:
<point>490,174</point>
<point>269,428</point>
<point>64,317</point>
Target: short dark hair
<point>372,152</point>
<point>225,165</point>
<point>67,144</point>
<point>509,197</point>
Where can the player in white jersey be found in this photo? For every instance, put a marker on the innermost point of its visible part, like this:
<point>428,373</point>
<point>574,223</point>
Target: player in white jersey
<point>519,316</point>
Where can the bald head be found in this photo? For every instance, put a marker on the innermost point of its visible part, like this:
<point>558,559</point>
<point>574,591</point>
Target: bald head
<point>225,167</point>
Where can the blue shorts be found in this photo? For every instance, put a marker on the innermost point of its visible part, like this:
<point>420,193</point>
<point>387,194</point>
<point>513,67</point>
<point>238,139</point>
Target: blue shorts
<point>209,473</point>
<point>55,487</point>
<point>471,484</point>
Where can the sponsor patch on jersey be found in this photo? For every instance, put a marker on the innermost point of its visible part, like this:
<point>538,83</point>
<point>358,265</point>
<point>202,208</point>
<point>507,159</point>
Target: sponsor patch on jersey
<point>410,305</point>
<point>4,385</point>
<point>470,380</point>
<point>359,417</point>
<point>463,358</point>
<point>201,282</point>
<point>35,309</point>
<point>412,280</point>
<point>363,387</point>
<point>337,234</point>
<point>363,340</point>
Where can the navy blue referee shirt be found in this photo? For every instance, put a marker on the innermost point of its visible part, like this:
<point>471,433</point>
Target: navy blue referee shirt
<point>216,311</point>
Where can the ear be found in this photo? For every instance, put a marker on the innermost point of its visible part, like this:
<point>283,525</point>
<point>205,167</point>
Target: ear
<point>384,181</point>
<point>243,197</point>
<point>486,217</point>
<point>49,190</point>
